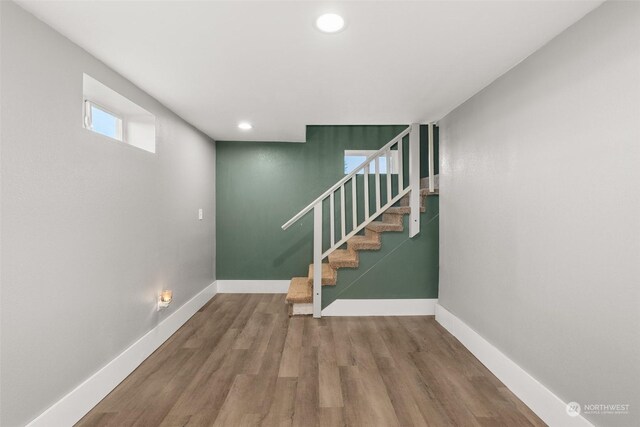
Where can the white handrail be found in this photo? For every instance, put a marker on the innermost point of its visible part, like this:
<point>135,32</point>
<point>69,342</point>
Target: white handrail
<point>335,186</point>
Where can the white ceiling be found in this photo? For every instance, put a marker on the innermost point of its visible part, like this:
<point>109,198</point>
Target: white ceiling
<point>216,63</point>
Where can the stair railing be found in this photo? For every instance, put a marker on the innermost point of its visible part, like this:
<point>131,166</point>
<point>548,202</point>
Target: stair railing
<point>395,156</point>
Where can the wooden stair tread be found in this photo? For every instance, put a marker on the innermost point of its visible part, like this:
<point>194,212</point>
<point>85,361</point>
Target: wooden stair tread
<point>392,218</point>
<point>404,210</point>
<point>364,243</point>
<point>343,258</point>
<point>361,238</point>
<point>404,201</point>
<point>380,226</point>
<point>329,275</point>
<point>300,292</point>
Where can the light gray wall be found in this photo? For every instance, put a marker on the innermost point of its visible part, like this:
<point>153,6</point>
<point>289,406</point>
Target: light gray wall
<point>92,229</point>
<point>540,212</point>
<point>1,9</point>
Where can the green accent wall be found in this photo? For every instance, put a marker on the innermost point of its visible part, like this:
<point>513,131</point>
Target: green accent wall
<point>261,185</point>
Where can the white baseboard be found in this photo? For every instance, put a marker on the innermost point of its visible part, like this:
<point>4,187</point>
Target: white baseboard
<point>72,407</point>
<point>381,307</point>
<point>549,407</point>
<point>253,286</point>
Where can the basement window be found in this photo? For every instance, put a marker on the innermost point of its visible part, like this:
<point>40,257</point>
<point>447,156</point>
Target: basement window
<point>354,158</point>
<point>110,114</point>
<point>102,121</point>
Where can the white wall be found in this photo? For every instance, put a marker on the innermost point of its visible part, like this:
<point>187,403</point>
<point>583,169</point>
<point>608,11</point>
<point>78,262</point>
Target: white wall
<point>91,229</point>
<point>540,212</point>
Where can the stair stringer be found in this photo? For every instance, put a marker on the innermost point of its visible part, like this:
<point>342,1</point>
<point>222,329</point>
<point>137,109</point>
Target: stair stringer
<point>348,259</point>
<point>379,275</point>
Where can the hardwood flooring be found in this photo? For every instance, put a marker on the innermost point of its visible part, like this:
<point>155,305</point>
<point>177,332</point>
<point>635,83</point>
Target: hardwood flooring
<point>241,361</point>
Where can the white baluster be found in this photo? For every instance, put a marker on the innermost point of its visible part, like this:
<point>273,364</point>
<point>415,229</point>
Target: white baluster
<point>332,214</point>
<point>387,156</point>
<point>400,167</point>
<point>354,202</point>
<point>366,191</point>
<point>342,210</point>
<point>377,165</point>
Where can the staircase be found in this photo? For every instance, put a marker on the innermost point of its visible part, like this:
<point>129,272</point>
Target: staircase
<point>398,196</point>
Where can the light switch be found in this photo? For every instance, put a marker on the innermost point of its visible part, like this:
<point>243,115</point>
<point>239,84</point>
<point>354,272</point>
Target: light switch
<point>200,215</point>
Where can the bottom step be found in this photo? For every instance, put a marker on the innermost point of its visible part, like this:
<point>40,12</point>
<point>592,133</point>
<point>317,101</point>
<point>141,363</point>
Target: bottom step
<point>300,291</point>
<point>305,309</point>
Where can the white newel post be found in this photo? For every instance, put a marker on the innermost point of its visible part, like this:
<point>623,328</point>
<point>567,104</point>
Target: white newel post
<point>414,179</point>
<point>317,259</point>
<point>431,161</point>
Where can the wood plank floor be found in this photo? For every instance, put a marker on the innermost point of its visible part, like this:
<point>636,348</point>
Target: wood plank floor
<point>241,361</point>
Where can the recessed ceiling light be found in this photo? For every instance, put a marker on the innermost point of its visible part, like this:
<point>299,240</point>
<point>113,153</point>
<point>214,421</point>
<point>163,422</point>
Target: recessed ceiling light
<point>245,126</point>
<point>330,23</point>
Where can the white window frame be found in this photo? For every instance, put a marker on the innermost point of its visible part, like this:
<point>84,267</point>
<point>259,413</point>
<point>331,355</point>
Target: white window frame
<point>395,166</point>
<point>87,122</point>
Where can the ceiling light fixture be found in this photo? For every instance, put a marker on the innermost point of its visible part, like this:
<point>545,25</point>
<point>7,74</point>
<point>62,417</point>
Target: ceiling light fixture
<point>245,126</point>
<point>330,23</point>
